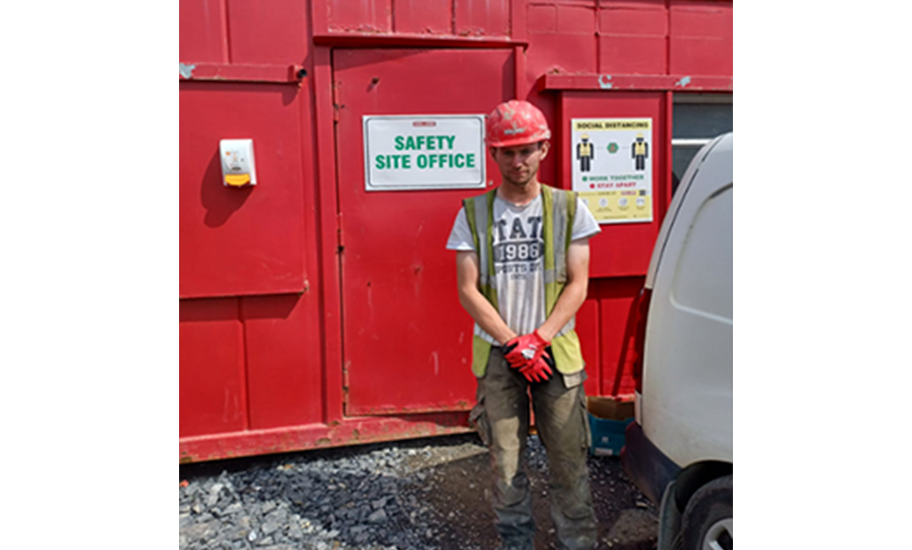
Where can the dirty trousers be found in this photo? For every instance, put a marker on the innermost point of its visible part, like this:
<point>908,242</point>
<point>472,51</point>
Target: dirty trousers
<point>501,417</point>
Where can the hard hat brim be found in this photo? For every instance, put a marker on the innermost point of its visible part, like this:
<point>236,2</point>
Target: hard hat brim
<point>517,141</point>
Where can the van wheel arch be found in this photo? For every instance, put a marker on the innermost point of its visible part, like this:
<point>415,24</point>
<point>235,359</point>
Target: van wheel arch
<point>695,476</point>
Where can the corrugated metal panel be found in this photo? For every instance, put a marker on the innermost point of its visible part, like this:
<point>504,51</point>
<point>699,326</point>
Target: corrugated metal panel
<point>588,328</point>
<point>616,298</point>
<point>701,38</point>
<point>548,58</point>
<point>633,54</point>
<point>238,241</point>
<point>634,19</point>
<point>360,15</point>
<point>633,39</point>
<point>284,360</point>
<point>286,21</point>
<point>423,16</point>
<point>203,35</point>
<point>212,386</point>
<point>482,17</point>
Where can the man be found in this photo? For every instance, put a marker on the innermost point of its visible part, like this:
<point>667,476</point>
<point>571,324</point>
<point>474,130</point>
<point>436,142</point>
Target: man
<point>522,270</point>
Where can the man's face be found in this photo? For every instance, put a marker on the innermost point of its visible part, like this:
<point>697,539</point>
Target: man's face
<point>519,164</point>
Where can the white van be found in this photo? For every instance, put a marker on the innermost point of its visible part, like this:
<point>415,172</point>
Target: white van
<point>679,449</point>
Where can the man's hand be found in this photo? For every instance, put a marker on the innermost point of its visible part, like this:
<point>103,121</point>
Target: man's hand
<point>527,353</point>
<point>540,371</point>
<point>525,350</point>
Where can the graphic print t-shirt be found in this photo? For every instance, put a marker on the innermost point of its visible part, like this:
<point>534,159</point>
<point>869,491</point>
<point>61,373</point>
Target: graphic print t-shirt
<point>519,260</point>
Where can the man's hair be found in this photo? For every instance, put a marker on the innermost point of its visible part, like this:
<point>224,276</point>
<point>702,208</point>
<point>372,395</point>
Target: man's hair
<point>538,143</point>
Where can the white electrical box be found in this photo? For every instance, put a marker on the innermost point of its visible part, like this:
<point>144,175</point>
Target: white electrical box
<point>238,168</point>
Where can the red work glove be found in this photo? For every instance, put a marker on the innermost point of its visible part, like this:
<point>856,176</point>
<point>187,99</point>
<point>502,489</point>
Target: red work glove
<point>540,371</point>
<point>525,350</point>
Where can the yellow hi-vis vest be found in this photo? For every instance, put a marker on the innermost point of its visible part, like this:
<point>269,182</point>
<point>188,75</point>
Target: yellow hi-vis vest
<point>558,211</point>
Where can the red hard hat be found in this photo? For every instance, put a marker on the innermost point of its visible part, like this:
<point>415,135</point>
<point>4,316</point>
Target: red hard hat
<point>516,123</point>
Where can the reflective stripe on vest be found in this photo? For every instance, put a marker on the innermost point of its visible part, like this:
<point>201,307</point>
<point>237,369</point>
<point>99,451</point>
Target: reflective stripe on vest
<point>558,212</point>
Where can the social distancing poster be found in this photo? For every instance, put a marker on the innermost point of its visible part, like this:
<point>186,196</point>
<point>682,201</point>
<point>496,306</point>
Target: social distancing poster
<point>612,167</point>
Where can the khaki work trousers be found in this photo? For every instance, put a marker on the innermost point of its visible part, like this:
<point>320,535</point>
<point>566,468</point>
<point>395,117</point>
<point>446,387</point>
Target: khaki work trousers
<point>501,417</point>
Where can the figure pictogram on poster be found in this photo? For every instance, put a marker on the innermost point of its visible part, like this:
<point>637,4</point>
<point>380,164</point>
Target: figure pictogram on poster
<point>585,152</point>
<point>640,151</point>
<point>612,167</point>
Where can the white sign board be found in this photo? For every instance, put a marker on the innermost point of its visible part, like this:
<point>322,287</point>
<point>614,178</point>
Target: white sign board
<point>404,153</point>
<point>612,167</point>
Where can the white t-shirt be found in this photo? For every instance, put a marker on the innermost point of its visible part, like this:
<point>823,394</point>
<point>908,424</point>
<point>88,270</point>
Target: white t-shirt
<point>519,260</point>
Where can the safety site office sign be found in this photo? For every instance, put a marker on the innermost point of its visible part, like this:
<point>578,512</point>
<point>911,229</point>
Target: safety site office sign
<point>403,153</point>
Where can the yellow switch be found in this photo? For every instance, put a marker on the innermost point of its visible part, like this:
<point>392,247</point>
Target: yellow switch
<point>238,167</point>
<point>237,180</point>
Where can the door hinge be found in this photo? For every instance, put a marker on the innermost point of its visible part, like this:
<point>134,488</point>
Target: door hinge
<point>341,234</point>
<point>345,382</point>
<point>337,106</point>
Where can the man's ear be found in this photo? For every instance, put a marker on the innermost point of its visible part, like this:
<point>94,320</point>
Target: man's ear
<point>493,151</point>
<point>545,147</point>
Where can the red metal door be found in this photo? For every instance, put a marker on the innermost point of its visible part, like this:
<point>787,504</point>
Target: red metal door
<point>619,256</point>
<point>406,339</point>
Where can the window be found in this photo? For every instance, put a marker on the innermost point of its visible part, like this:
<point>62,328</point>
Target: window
<point>697,119</point>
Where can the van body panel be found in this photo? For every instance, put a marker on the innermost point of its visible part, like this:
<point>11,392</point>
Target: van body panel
<point>675,207</point>
<point>685,408</point>
<point>646,464</point>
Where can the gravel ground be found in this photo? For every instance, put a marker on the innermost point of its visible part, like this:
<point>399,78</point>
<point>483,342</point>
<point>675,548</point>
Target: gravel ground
<point>426,494</point>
